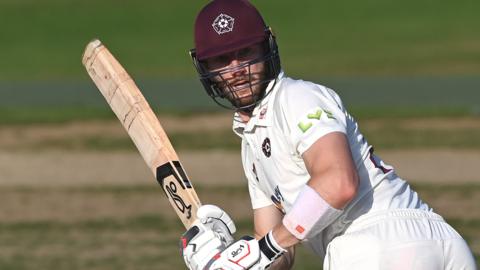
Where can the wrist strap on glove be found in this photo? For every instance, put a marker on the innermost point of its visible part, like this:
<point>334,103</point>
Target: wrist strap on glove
<point>269,247</point>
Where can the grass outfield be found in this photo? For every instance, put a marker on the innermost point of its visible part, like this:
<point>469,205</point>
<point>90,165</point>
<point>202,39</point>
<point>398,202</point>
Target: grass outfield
<point>72,236</point>
<point>44,40</point>
<point>20,115</point>
<point>196,133</point>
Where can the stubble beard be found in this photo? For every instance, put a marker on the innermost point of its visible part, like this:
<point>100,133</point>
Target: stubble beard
<point>246,90</point>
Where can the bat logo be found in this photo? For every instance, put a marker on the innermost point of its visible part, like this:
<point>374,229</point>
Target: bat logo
<point>172,190</point>
<point>167,170</point>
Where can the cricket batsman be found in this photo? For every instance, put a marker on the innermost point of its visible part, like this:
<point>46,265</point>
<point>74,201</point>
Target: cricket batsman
<point>312,176</point>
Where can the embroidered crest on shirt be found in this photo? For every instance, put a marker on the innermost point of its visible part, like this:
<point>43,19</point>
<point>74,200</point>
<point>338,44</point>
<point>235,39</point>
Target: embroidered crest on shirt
<point>266,147</point>
<point>223,24</point>
<point>312,117</point>
<point>263,112</point>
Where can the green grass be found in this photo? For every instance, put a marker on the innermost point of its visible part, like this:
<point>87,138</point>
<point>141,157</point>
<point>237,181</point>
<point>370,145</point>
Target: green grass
<point>383,132</point>
<point>23,115</point>
<point>394,113</point>
<point>136,243</point>
<point>101,244</point>
<point>394,137</point>
<point>51,115</point>
<point>149,240</point>
<point>226,140</point>
<point>44,40</point>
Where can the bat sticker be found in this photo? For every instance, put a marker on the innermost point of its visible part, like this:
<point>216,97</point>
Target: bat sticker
<point>167,170</point>
<point>172,190</point>
<point>182,173</point>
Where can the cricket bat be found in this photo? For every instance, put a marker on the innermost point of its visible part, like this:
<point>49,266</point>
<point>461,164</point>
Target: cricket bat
<point>143,127</point>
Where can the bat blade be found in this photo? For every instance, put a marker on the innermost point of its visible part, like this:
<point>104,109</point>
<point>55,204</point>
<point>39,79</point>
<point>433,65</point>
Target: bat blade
<point>142,125</point>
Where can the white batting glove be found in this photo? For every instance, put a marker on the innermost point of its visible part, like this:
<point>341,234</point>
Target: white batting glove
<point>218,221</point>
<point>210,234</point>
<point>247,253</point>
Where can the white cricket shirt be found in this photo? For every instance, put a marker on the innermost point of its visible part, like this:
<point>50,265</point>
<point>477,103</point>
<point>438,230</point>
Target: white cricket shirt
<point>292,116</point>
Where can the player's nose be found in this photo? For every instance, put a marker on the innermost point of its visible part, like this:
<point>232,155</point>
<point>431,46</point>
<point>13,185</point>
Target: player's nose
<point>239,70</point>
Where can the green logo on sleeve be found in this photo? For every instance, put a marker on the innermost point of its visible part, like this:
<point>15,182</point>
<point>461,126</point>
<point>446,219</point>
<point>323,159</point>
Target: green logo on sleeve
<point>312,117</point>
<point>315,115</point>
<point>329,114</point>
<point>304,127</point>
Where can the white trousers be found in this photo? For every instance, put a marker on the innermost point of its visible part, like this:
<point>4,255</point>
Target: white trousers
<point>403,239</point>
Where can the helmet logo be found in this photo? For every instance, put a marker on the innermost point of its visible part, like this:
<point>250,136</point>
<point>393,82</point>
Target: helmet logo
<point>223,24</point>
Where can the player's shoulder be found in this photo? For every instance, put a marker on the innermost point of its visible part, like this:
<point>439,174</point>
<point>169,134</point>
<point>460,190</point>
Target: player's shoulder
<point>291,86</point>
<point>297,92</point>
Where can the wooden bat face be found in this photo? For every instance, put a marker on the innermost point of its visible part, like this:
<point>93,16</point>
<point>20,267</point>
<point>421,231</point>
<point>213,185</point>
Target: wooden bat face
<point>143,127</point>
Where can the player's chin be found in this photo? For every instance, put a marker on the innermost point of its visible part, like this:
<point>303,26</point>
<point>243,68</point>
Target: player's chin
<point>245,100</point>
<point>245,95</point>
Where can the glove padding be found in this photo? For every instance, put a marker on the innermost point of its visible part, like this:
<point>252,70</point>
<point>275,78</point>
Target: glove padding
<point>218,221</point>
<point>247,253</point>
<point>210,234</point>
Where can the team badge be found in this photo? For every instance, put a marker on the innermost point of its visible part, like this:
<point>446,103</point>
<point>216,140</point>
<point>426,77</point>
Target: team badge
<point>266,148</point>
<point>263,112</point>
<point>223,24</point>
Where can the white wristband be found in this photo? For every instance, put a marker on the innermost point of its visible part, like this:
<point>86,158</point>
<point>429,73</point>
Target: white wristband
<point>310,214</point>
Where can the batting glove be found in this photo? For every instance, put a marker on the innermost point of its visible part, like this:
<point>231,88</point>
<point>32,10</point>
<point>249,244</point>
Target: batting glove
<point>210,234</point>
<point>247,253</point>
<point>218,221</point>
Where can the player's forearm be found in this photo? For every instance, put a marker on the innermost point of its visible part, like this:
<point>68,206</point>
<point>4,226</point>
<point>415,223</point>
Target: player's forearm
<point>283,237</point>
<point>310,214</point>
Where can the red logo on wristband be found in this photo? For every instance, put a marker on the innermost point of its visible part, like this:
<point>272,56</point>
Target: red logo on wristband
<point>299,229</point>
<point>184,242</point>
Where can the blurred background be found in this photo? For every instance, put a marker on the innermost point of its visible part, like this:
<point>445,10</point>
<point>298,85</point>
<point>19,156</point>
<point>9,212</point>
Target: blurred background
<point>74,192</point>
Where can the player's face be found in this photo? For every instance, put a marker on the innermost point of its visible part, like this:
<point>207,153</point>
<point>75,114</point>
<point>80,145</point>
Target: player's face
<point>239,75</point>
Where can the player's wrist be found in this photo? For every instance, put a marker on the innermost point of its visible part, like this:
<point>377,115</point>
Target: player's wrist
<point>270,247</point>
<point>284,237</point>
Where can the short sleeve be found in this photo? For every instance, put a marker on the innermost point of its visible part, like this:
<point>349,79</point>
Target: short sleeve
<point>257,197</point>
<point>309,112</point>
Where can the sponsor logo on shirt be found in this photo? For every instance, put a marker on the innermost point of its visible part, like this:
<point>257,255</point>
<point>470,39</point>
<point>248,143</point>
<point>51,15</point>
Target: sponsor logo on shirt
<point>277,199</point>
<point>312,117</point>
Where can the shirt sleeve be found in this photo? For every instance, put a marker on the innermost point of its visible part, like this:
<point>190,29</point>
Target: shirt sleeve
<point>310,111</point>
<point>257,197</point>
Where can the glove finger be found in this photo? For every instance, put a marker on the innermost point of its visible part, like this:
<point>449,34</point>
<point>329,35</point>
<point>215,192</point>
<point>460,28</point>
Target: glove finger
<point>205,212</point>
<point>201,248</point>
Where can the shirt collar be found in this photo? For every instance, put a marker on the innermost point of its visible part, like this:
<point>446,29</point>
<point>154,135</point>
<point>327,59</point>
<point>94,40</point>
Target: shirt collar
<point>262,114</point>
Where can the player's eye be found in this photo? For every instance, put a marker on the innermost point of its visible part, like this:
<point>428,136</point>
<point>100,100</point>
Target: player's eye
<point>223,60</point>
<point>218,62</point>
<point>245,53</point>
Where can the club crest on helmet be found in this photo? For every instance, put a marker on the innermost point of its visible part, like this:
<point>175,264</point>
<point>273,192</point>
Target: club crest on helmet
<point>223,24</point>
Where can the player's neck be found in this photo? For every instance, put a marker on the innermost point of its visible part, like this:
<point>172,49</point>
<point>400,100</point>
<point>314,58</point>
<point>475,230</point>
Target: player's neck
<point>245,116</point>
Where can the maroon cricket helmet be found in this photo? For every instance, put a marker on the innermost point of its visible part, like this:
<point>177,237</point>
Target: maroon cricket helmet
<point>224,26</point>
